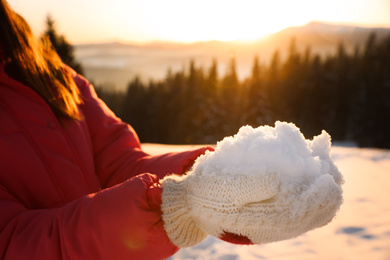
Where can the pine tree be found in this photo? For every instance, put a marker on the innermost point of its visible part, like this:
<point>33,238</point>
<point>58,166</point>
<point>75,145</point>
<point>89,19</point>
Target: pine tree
<point>231,97</point>
<point>273,89</point>
<point>64,49</point>
<point>257,108</point>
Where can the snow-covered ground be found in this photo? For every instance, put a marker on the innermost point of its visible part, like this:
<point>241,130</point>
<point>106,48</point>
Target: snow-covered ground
<point>360,230</point>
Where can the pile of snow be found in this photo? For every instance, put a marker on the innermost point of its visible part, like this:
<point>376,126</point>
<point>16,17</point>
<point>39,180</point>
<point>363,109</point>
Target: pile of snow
<point>282,149</point>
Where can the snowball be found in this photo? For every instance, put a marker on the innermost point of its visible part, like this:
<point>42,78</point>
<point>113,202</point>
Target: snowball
<point>282,149</point>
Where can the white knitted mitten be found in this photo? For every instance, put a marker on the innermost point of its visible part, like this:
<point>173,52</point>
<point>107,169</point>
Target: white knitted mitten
<point>239,196</point>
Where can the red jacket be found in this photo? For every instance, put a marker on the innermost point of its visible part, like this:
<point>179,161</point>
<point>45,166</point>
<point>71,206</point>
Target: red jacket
<point>77,189</point>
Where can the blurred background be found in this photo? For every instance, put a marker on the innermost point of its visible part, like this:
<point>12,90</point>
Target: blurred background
<point>192,72</point>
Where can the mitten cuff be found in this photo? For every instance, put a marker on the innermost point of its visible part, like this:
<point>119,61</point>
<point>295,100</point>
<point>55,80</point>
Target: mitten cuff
<point>178,224</point>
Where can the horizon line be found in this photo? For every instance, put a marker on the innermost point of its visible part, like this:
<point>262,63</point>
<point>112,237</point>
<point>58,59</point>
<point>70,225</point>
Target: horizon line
<point>243,41</point>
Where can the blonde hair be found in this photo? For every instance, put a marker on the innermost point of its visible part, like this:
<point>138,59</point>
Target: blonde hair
<point>37,65</point>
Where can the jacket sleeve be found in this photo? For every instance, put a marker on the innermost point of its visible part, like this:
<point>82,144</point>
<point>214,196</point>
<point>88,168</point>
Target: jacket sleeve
<point>117,152</point>
<point>122,222</point>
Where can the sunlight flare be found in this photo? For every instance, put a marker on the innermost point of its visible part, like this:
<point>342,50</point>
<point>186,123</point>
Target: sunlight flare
<point>225,20</point>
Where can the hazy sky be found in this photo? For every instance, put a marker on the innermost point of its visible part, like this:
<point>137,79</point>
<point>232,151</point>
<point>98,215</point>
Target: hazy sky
<point>86,21</point>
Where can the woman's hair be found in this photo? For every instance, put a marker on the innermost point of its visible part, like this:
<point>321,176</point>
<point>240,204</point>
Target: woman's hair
<point>36,64</point>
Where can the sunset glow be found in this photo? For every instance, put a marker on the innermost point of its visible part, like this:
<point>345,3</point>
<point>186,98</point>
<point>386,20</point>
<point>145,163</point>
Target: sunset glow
<point>235,20</point>
<point>189,21</point>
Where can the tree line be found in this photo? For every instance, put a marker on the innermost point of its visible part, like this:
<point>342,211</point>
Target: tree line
<point>346,93</point>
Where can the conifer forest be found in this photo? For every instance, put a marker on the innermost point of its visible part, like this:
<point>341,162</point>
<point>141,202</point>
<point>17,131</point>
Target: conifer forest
<point>346,93</point>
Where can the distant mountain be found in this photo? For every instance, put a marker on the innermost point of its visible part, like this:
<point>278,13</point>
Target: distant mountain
<point>115,64</point>
<point>319,35</point>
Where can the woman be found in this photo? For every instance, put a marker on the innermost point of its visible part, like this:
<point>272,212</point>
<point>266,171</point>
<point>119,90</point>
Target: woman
<point>74,182</point>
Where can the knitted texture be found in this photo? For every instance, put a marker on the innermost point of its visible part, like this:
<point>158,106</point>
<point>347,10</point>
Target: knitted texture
<point>178,223</point>
<point>253,204</point>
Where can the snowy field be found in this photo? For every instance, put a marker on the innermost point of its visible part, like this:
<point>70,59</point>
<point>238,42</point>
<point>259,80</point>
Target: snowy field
<point>360,230</point>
